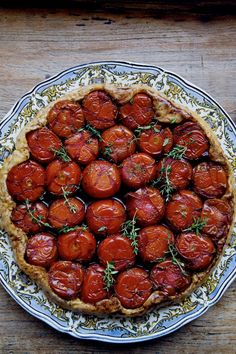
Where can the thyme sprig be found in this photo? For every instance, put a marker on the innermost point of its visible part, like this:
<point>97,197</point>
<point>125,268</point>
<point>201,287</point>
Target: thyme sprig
<point>164,183</point>
<point>37,219</point>
<point>108,275</point>
<point>108,151</point>
<point>93,131</point>
<point>130,230</point>
<point>197,225</point>
<point>174,254</point>
<point>61,154</point>
<point>71,206</point>
<point>140,129</point>
<point>177,152</point>
<point>66,229</point>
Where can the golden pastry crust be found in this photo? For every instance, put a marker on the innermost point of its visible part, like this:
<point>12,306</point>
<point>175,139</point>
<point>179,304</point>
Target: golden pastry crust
<point>165,111</point>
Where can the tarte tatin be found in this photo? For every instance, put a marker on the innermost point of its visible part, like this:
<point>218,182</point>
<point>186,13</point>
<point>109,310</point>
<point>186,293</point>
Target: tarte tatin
<point>117,199</point>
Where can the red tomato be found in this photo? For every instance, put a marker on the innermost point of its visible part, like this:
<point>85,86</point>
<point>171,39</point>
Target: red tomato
<point>28,223</point>
<point>68,212</point>
<point>156,140</point>
<point>41,250</point>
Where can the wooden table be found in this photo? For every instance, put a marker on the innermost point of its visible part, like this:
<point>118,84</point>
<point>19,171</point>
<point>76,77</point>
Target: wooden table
<point>198,42</point>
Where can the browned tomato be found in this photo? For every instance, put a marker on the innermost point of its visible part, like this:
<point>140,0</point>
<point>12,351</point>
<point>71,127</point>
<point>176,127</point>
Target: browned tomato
<point>26,181</point>
<point>192,137</point>
<point>210,180</point>
<point>118,143</point>
<point>146,204</point>
<point>42,144</point>
<point>133,287</point>
<point>62,176</point>
<point>105,216</point>
<point>154,242</point>
<point>117,249</point>
<point>137,112</point>
<point>169,278</point>
<point>27,219</point>
<point>101,179</point>
<point>65,118</point>
<point>79,245</point>
<point>138,170</point>
<point>68,212</point>
<point>93,289</point>
<point>182,209</point>
<point>65,278</point>
<point>197,250</point>
<point>99,110</point>
<point>82,147</point>
<point>41,250</point>
<point>155,141</point>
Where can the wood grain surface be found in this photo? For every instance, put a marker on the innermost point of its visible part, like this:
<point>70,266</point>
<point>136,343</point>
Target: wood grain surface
<point>194,39</point>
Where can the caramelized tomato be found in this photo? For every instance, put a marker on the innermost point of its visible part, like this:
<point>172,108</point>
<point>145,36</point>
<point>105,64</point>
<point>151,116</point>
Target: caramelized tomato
<point>179,172</point>
<point>155,141</point>
<point>68,212</point>
<point>41,250</point>
<point>21,217</point>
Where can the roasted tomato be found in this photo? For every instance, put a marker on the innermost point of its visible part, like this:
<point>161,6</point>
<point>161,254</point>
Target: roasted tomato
<point>41,250</point>
<point>138,170</point>
<point>192,137</point>
<point>65,278</point>
<point>117,249</point>
<point>118,143</point>
<point>137,112</point>
<point>210,180</point>
<point>169,278</point>
<point>43,144</point>
<point>198,251</point>
<point>183,208</point>
<point>105,216</point>
<point>154,242</point>
<point>78,245</point>
<point>93,289</point>
<point>146,204</point>
<point>82,147</point>
<point>155,141</point>
<point>101,179</point>
<point>26,181</point>
<point>62,176</point>
<point>69,212</point>
<point>65,118</point>
<point>133,287</point>
<point>31,217</point>
<point>99,110</point>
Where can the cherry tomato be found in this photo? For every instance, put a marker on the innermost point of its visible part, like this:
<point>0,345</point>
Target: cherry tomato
<point>105,216</point>
<point>79,245</point>
<point>21,217</point>
<point>133,287</point>
<point>68,212</point>
<point>117,249</point>
<point>65,118</point>
<point>99,110</point>
<point>62,176</point>
<point>65,278</point>
<point>138,111</point>
<point>101,179</point>
<point>118,143</point>
<point>146,204</point>
<point>209,180</point>
<point>41,250</point>
<point>155,141</point>
<point>26,181</point>
<point>138,170</point>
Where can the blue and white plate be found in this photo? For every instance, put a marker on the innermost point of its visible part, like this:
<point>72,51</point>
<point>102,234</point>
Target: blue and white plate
<point>114,328</point>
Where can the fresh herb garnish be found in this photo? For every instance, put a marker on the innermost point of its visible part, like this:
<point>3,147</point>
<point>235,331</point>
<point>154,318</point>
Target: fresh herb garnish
<point>37,219</point>
<point>166,142</point>
<point>165,186</point>
<point>108,275</point>
<point>140,129</point>
<point>61,154</point>
<point>130,230</point>
<point>84,227</point>
<point>173,120</point>
<point>177,152</point>
<point>71,206</point>
<point>102,228</point>
<point>66,229</point>
<point>108,151</point>
<point>197,225</point>
<point>93,131</point>
<point>174,255</point>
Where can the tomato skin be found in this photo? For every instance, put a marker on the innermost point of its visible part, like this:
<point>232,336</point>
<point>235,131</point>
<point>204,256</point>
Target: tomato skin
<point>180,174</point>
<point>209,180</point>
<point>61,175</point>
<point>138,170</point>
<point>65,279</point>
<point>82,147</point>
<point>139,112</point>
<point>117,249</point>
<point>22,219</point>
<point>198,251</point>
<point>26,181</point>
<point>93,289</point>
<point>154,242</point>
<point>101,179</point>
<point>61,214</point>
<point>41,250</point>
<point>99,110</point>
<point>78,245</point>
<point>65,118</point>
<point>118,143</point>
<point>156,141</point>
<point>146,204</point>
<point>133,287</point>
<point>168,278</point>
<point>107,215</point>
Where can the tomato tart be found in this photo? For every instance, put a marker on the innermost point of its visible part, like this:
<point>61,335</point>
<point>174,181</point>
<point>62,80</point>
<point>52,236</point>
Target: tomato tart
<point>117,199</point>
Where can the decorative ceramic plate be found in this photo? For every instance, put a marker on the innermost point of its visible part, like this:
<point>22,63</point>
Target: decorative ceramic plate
<point>115,328</point>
